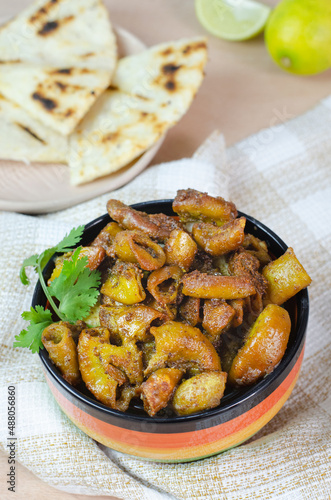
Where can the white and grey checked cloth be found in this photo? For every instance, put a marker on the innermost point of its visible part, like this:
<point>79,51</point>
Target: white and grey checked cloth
<point>281,176</point>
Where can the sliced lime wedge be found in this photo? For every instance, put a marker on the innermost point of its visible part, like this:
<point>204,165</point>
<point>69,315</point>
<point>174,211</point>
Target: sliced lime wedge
<point>232,19</point>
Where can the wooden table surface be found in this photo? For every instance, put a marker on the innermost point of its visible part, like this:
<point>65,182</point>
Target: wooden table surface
<point>243,92</point>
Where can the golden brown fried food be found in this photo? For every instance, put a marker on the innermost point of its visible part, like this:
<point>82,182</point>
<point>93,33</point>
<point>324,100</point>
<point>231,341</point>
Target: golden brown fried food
<point>141,348</point>
<point>238,306</point>
<point>182,346</point>
<point>263,348</point>
<point>57,340</point>
<point>190,310</point>
<point>191,205</point>
<point>159,388</point>
<point>126,358</point>
<point>163,284</point>
<point>257,247</point>
<point>211,286</point>
<point>219,240</point>
<point>244,264</point>
<point>129,324</point>
<point>106,237</point>
<point>124,284</point>
<point>169,311</point>
<point>94,374</point>
<point>199,393</point>
<point>157,226</point>
<point>106,367</point>
<point>137,247</point>
<point>180,249</point>
<point>217,315</point>
<point>285,277</point>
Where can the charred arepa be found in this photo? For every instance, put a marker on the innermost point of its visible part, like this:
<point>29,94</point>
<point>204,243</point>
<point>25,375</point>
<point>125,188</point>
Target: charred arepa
<point>24,138</point>
<point>57,57</point>
<point>150,92</point>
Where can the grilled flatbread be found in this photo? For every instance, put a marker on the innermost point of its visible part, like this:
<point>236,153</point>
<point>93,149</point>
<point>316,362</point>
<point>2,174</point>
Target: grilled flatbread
<point>56,58</point>
<point>150,92</point>
<point>23,138</point>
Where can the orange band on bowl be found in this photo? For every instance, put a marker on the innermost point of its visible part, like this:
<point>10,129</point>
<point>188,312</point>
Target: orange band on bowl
<point>186,445</point>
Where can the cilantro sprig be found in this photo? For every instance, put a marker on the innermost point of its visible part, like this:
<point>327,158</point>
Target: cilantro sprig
<point>75,290</point>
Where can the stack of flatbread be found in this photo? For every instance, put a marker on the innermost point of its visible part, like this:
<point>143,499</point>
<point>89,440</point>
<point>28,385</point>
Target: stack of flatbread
<point>65,97</point>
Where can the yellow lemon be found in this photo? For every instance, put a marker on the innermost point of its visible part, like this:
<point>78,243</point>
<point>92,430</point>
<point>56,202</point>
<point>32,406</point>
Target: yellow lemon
<point>298,36</point>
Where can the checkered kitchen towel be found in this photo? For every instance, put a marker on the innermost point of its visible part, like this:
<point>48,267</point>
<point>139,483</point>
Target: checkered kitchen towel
<point>281,176</point>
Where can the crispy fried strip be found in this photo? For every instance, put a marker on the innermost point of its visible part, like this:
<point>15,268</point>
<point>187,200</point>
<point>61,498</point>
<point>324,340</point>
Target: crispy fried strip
<point>219,240</point>
<point>157,226</point>
<point>209,286</point>
<point>191,205</point>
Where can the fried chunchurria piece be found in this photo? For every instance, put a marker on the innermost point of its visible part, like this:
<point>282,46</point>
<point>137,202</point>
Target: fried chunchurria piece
<point>180,249</point>
<point>182,346</point>
<point>264,347</point>
<point>212,286</point>
<point>257,247</point>
<point>192,205</point>
<point>106,237</point>
<point>157,226</point>
<point>138,248</point>
<point>244,264</point>
<point>124,284</point>
<point>217,315</point>
<point>238,306</point>
<point>190,310</point>
<point>158,389</point>
<point>60,345</point>
<point>163,284</point>
<point>169,311</point>
<point>285,277</point>
<point>201,392</point>
<point>130,324</point>
<point>219,240</point>
<point>106,367</point>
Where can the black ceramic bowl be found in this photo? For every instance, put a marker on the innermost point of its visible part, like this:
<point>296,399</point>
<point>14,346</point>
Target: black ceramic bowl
<point>178,439</point>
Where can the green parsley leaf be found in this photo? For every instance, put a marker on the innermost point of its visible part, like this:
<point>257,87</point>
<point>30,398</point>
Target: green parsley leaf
<point>30,261</point>
<point>76,288</point>
<point>31,337</point>
<point>71,240</point>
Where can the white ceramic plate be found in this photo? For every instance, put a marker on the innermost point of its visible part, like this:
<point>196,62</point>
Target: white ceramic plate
<point>40,188</point>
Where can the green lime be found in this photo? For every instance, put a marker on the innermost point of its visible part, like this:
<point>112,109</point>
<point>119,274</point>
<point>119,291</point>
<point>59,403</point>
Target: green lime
<point>298,36</point>
<point>232,19</point>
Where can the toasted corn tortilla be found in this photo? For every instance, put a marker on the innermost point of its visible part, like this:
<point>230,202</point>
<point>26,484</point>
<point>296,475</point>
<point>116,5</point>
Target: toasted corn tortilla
<point>56,58</point>
<point>24,138</point>
<point>150,92</point>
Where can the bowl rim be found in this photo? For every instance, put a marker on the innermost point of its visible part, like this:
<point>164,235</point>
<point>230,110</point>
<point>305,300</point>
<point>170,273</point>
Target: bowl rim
<point>302,299</point>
